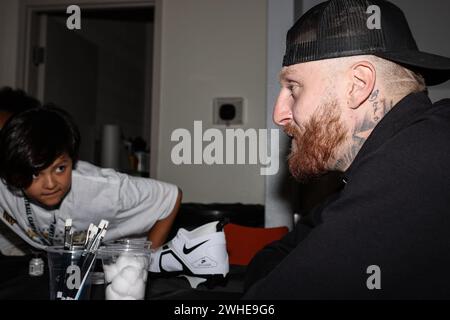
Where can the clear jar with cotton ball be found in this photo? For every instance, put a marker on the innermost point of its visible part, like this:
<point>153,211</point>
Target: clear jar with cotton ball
<point>125,265</point>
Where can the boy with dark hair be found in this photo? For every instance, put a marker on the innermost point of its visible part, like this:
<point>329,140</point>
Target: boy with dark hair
<point>43,184</point>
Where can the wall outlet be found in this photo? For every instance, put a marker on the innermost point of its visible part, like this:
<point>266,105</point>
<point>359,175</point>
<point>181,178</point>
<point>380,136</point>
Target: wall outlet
<point>228,111</point>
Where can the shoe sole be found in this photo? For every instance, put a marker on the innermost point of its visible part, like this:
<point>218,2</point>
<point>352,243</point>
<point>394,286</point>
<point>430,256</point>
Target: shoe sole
<point>212,280</point>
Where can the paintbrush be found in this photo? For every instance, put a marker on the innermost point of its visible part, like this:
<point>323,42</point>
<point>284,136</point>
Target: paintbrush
<point>67,229</point>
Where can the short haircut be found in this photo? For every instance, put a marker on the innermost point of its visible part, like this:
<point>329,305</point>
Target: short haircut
<point>15,101</point>
<point>32,140</point>
<point>398,78</point>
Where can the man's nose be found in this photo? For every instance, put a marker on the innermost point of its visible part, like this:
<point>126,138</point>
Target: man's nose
<point>282,113</point>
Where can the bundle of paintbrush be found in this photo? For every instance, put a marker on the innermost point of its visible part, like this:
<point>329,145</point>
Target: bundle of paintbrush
<point>75,278</point>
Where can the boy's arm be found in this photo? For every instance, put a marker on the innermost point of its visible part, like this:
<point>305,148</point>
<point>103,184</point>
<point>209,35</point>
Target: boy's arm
<point>158,233</point>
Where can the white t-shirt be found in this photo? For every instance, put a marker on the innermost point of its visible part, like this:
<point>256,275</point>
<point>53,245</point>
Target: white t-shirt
<point>132,205</point>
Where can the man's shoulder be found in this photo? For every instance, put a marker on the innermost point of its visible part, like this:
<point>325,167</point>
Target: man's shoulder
<point>429,129</point>
<point>433,127</point>
<point>440,114</point>
<point>442,103</point>
<point>419,147</point>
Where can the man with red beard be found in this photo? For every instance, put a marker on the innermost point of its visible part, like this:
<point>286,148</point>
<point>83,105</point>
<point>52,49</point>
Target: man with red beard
<point>354,99</point>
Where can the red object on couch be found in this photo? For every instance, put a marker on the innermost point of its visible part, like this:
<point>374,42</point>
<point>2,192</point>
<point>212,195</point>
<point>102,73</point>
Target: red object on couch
<point>244,242</point>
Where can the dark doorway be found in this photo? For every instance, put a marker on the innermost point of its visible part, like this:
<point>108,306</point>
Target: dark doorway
<point>101,74</point>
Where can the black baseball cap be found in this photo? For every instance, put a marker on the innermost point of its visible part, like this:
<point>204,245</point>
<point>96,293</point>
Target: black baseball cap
<point>339,28</point>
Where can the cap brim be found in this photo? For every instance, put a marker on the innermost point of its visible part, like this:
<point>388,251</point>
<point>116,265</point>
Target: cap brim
<point>435,69</point>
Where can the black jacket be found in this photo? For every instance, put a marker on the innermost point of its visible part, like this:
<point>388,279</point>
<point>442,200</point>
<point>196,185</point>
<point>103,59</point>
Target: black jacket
<point>393,212</point>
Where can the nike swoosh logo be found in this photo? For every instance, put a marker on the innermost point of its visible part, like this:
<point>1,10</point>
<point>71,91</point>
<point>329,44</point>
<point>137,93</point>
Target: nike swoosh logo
<point>189,250</point>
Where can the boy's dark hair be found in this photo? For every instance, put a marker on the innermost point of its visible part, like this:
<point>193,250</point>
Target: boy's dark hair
<point>15,101</point>
<point>32,140</point>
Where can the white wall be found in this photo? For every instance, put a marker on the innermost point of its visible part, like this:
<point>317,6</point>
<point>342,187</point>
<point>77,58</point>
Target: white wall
<point>9,28</point>
<point>211,48</point>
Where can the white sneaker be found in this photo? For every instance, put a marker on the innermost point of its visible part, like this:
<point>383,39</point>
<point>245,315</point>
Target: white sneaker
<point>201,252</point>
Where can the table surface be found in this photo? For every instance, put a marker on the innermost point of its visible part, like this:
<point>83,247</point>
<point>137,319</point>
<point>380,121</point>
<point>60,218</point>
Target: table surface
<point>17,284</point>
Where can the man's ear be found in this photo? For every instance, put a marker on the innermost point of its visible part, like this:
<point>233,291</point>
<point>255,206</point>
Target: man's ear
<point>362,81</point>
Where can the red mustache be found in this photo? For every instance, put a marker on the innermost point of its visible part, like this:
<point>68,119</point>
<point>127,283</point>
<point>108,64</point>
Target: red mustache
<point>316,142</point>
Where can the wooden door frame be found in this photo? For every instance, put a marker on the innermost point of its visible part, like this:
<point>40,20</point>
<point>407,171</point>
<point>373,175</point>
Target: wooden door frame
<point>28,37</point>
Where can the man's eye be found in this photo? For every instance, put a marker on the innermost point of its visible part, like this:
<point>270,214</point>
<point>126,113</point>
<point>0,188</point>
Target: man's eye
<point>60,169</point>
<point>294,90</point>
<point>35,176</point>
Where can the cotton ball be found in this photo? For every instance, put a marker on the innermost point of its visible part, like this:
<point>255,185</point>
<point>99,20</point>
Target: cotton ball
<point>130,274</point>
<point>127,259</point>
<point>143,261</point>
<point>110,271</point>
<point>137,290</point>
<point>110,294</point>
<point>123,261</point>
<point>120,285</point>
<point>138,262</point>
